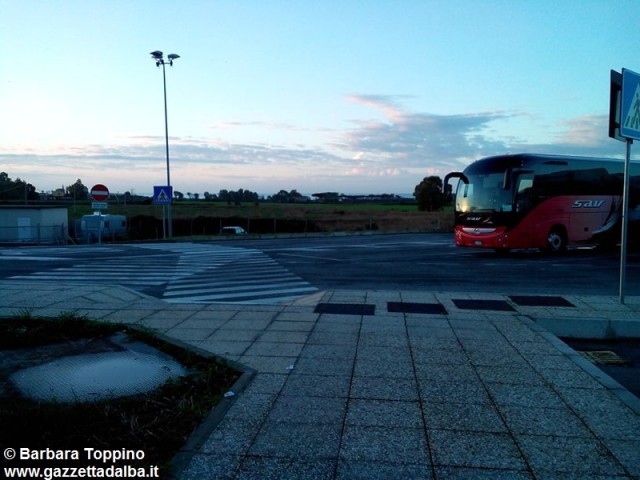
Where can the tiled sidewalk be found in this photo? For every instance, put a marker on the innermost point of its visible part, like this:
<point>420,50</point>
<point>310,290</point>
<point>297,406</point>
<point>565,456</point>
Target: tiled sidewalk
<point>468,393</point>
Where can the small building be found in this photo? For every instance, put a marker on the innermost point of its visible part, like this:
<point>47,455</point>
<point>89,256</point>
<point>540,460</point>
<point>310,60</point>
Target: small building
<point>34,224</point>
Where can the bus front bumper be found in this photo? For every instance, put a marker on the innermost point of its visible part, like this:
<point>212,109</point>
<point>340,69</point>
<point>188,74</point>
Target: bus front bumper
<point>481,237</point>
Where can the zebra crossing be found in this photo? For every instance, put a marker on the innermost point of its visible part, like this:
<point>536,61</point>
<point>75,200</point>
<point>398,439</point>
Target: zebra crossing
<point>185,273</point>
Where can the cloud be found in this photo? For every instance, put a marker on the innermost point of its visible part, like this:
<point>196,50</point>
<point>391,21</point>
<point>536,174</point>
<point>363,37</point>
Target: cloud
<point>230,124</point>
<point>586,135</point>
<point>438,144</point>
<point>419,139</point>
<point>587,131</point>
<point>390,150</point>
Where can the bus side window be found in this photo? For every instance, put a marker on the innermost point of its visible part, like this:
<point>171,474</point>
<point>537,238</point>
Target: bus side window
<point>524,194</point>
<point>524,184</point>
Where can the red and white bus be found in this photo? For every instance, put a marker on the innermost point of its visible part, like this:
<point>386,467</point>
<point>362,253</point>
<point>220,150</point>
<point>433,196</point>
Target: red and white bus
<point>543,201</point>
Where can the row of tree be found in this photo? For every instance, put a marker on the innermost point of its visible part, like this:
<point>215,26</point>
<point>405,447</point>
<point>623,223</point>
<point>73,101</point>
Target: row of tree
<point>16,189</point>
<point>242,195</point>
<point>428,193</point>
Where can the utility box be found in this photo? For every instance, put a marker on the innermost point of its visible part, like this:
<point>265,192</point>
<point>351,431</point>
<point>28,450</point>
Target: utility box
<point>95,228</point>
<point>26,224</point>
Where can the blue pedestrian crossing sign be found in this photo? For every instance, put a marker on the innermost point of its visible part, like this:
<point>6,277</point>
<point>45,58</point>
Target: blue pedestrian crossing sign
<point>162,195</point>
<point>630,107</point>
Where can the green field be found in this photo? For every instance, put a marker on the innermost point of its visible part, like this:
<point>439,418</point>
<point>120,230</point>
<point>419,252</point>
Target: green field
<point>197,218</point>
<point>190,209</point>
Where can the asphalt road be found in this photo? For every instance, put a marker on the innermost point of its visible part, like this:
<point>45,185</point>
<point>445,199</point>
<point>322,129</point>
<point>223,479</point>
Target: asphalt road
<point>431,261</point>
<point>397,262</point>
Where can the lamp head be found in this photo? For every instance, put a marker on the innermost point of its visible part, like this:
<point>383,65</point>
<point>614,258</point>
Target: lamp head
<point>172,57</point>
<point>157,55</point>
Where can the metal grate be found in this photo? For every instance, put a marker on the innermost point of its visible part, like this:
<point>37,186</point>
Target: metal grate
<point>408,307</point>
<point>466,304</point>
<point>346,308</point>
<point>540,301</point>
<point>603,357</point>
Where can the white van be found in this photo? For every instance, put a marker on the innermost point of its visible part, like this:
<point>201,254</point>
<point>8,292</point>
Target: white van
<point>232,231</point>
<point>94,228</point>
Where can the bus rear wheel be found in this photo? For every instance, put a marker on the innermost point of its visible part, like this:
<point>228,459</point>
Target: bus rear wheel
<point>556,240</point>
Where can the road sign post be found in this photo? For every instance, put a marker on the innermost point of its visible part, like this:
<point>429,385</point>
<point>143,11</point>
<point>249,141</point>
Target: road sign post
<point>625,221</point>
<point>100,194</point>
<point>163,195</point>
<point>625,119</point>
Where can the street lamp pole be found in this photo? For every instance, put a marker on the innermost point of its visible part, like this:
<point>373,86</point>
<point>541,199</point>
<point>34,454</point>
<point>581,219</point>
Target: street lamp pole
<point>159,58</point>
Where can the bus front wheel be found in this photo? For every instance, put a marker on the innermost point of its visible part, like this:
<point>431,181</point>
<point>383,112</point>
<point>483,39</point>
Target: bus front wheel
<point>556,240</point>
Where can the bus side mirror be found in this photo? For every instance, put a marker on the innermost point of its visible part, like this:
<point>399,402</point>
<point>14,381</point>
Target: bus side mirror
<point>506,180</point>
<point>463,178</point>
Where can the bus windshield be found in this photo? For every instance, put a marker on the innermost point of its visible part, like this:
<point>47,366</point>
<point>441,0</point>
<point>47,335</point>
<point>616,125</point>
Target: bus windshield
<point>484,193</point>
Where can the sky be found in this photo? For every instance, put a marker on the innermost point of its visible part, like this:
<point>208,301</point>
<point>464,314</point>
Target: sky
<point>352,96</point>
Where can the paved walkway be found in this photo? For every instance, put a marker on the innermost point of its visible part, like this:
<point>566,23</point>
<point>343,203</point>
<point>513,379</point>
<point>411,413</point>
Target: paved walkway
<point>378,384</point>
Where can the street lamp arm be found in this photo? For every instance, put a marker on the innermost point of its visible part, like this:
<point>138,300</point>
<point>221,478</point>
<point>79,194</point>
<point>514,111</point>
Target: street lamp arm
<point>158,56</point>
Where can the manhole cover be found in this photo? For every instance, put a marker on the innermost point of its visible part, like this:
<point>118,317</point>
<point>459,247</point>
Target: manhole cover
<point>603,357</point>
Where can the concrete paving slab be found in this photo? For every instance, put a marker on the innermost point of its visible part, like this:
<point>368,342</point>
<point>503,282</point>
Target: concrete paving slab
<point>563,456</point>
<point>285,469</point>
<point>308,409</point>
<point>350,470</point>
<point>229,334</point>
<point>384,388</point>
<point>332,386</point>
<point>467,416</point>
<point>227,348</point>
<point>268,364</point>
<point>132,315</point>
<point>383,444</point>
<point>475,449</point>
<point>207,320</point>
<point>290,326</point>
<point>297,441</point>
<point>384,413</point>
<point>346,353</point>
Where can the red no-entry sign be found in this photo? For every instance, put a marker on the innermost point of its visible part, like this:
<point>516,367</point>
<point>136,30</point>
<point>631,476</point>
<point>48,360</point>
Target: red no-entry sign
<point>99,193</point>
